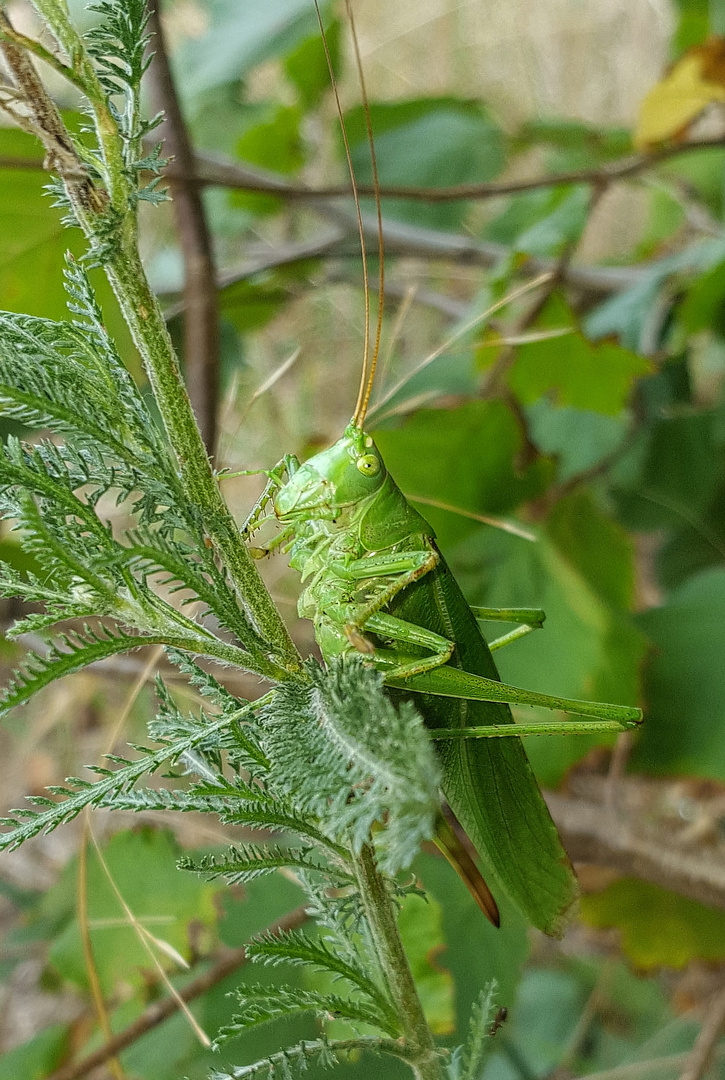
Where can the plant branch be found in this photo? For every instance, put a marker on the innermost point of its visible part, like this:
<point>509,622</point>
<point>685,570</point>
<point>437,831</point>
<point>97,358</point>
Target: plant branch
<point>9,35</point>
<point>421,1052</point>
<point>214,170</point>
<point>591,835</point>
<point>230,961</point>
<point>698,1060</point>
<point>201,308</point>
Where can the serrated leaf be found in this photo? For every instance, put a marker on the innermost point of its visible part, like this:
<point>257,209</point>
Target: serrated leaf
<point>575,371</point>
<point>465,458</point>
<point>685,681</point>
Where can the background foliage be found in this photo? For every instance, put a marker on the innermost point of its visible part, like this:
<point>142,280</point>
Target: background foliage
<point>607,444</point>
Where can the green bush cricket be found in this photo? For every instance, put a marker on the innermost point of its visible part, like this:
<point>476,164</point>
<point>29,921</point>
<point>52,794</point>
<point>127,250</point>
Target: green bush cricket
<point>376,584</point>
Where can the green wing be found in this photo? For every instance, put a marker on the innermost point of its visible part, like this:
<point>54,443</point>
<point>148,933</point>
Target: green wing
<point>489,783</point>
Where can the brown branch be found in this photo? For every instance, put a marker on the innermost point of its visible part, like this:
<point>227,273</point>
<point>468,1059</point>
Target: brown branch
<point>201,307</point>
<point>414,241</point>
<point>591,835</point>
<point>216,171</point>
<point>222,173</point>
<point>231,960</point>
<point>701,1053</point>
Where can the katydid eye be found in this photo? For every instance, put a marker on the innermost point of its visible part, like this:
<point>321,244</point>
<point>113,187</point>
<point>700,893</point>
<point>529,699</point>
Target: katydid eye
<point>368,464</point>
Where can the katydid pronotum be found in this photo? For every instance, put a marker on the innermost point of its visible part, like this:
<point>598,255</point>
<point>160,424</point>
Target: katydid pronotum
<point>376,584</point>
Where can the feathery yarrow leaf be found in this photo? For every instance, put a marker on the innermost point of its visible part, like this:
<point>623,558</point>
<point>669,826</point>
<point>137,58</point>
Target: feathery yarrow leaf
<point>69,653</point>
<point>98,793</point>
<point>297,948</point>
<point>249,861</point>
<point>467,1060</point>
<point>342,751</point>
<point>295,1060</point>
<point>262,1004</point>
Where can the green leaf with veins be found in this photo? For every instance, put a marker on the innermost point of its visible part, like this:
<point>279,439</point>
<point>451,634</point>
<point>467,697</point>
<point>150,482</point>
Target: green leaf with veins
<point>572,369</point>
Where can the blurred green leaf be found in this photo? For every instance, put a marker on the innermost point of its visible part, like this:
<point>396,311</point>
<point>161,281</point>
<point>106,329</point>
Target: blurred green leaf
<point>559,226</point>
<point>589,647</point>
<point>476,951</point>
<point>250,305</point>
<point>38,1057</point>
<point>658,928</point>
<point>685,681</point>
<point>664,217</point>
<point>274,143</point>
<point>306,66</point>
<point>672,473</point>
<point>239,38</point>
<point>428,142</point>
<point>464,457</point>
<point>163,899</point>
<point>591,143</point>
<point>596,546</point>
<point>704,305</point>
<point>578,373</point>
<point>172,1050</point>
<point>548,1005</point>
<point>578,439</point>
<point>693,25</point>
<point>33,242</point>
<point>421,928</point>
<point>702,173</point>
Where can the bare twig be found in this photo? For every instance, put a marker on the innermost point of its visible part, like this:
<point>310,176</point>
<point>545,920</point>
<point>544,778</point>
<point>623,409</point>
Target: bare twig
<point>214,170</point>
<point>201,308</point>
<point>590,835</point>
<point>211,169</point>
<point>230,961</point>
<point>701,1053</point>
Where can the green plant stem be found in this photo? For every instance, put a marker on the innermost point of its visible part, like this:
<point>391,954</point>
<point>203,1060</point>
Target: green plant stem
<point>145,320</point>
<point>420,1050</point>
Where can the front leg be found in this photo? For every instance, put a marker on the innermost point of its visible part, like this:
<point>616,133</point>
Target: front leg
<point>289,465</point>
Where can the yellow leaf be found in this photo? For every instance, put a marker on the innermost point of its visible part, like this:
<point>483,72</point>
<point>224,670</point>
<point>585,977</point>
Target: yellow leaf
<point>689,87</point>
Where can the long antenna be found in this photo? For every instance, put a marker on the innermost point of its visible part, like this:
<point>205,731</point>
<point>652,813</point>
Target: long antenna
<point>366,284</point>
<point>362,406</point>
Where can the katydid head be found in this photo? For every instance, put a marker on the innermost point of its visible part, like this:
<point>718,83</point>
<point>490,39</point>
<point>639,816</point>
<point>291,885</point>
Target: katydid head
<point>333,481</point>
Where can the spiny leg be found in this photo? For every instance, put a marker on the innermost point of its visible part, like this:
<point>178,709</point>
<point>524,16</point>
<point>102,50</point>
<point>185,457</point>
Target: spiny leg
<point>408,566</point>
<point>533,617</point>
<point>288,464</point>
<point>553,727</point>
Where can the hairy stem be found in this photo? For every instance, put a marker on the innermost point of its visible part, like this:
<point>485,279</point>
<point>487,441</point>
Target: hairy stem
<point>143,315</point>
<point>421,1053</point>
